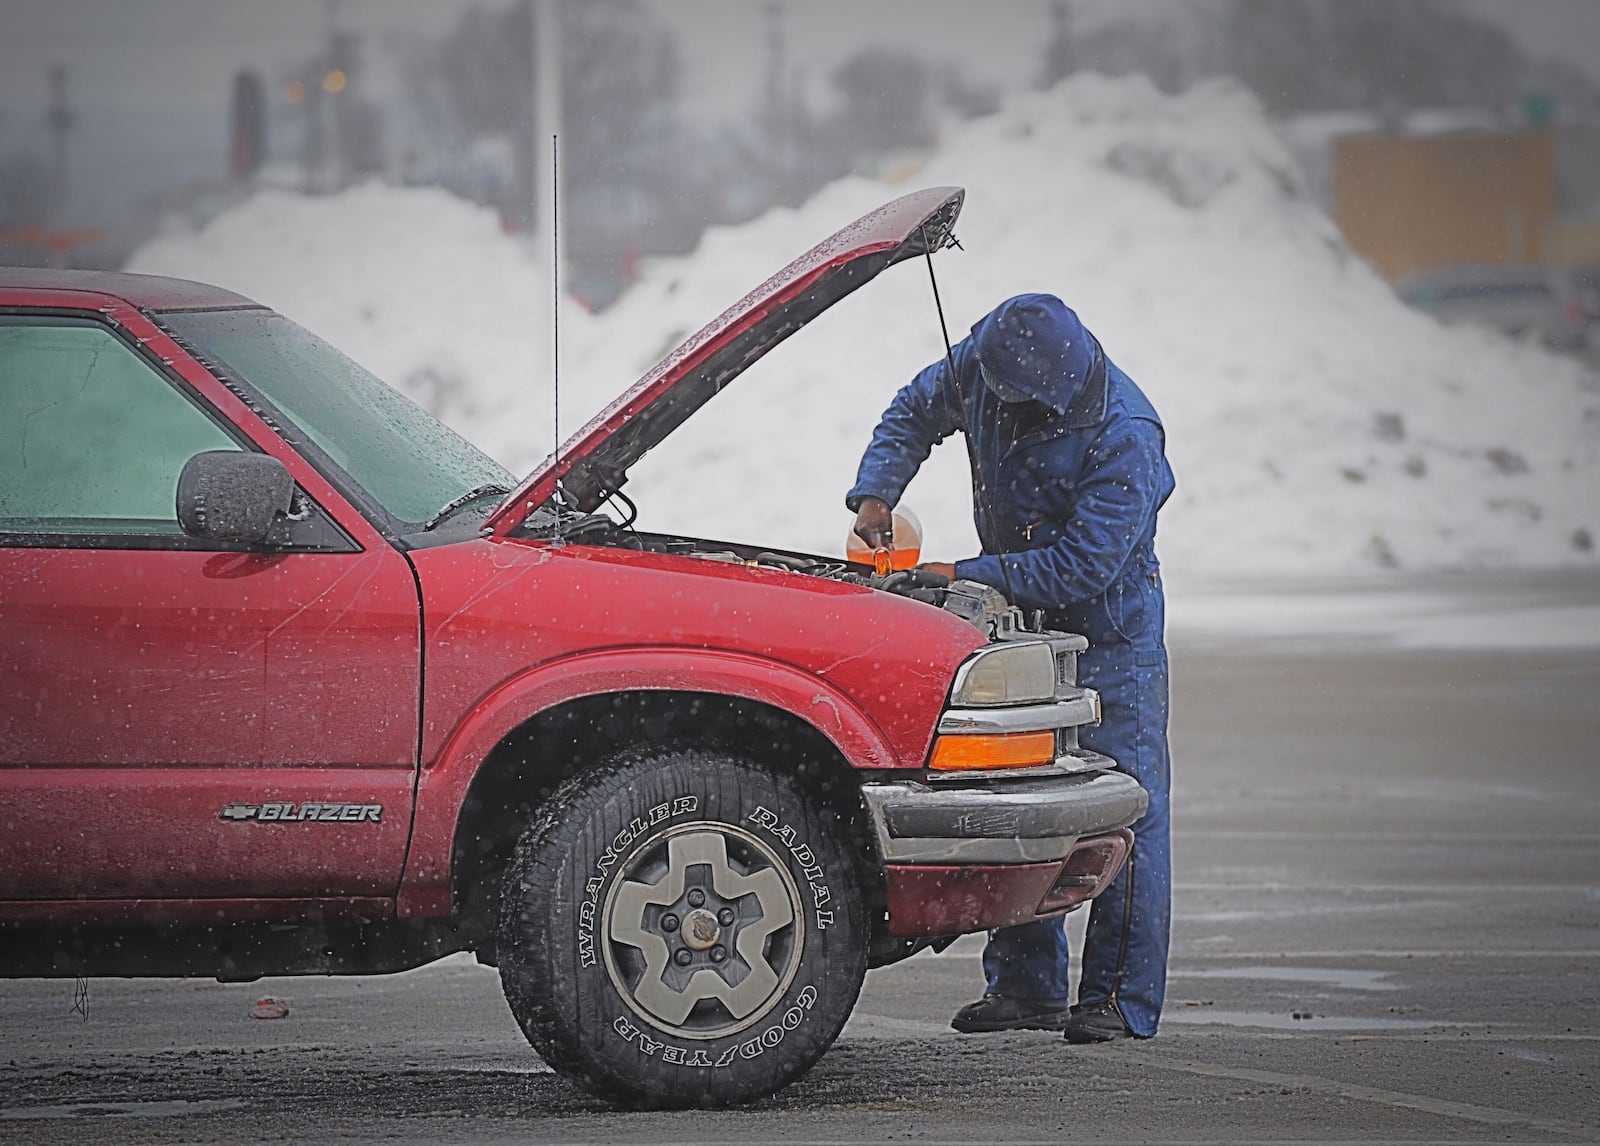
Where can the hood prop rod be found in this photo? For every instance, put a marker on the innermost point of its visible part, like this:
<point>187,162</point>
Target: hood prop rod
<point>979,486</point>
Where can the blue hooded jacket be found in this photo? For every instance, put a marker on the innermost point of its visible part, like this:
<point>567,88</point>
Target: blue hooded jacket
<point>1074,475</point>
<point>1074,467</point>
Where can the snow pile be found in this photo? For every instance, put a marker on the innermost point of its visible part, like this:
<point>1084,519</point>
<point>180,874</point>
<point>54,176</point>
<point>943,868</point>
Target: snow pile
<point>1316,424</point>
<point>420,287</point>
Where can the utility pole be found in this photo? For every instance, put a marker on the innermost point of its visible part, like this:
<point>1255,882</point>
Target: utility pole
<point>61,118</point>
<point>339,84</point>
<point>545,51</point>
<point>334,84</point>
<point>1059,51</point>
<point>779,162</point>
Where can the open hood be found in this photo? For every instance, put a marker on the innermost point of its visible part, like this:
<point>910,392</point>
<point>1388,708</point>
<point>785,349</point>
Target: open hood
<point>594,462</point>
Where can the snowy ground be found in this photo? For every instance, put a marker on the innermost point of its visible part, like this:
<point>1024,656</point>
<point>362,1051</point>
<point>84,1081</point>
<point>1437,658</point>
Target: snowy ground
<point>1318,427</point>
<point>1490,612</point>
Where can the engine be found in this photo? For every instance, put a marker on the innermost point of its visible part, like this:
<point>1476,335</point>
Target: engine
<point>983,607</point>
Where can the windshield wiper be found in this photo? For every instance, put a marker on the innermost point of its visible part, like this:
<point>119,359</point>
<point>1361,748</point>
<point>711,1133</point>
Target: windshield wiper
<point>470,496</point>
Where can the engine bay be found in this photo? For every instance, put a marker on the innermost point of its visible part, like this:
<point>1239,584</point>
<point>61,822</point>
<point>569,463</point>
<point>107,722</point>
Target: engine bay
<point>983,607</point>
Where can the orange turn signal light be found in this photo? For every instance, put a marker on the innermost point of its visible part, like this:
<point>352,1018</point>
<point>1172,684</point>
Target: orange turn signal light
<point>1004,750</point>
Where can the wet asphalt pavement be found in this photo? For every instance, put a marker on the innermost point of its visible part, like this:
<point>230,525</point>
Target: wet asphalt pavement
<point>1387,927</point>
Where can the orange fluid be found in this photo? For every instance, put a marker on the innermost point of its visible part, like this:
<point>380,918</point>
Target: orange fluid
<point>903,554</point>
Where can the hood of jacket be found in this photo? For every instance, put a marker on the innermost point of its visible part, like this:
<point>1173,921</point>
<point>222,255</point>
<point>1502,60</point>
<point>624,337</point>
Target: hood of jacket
<point>1036,345</point>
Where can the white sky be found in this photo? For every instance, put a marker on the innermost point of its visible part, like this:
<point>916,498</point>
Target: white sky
<point>723,42</point>
<point>1558,29</point>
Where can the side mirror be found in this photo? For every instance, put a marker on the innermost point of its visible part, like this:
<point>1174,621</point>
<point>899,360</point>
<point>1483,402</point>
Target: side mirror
<point>231,495</point>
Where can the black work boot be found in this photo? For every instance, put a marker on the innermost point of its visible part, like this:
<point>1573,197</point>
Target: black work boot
<point>1097,1023</point>
<point>1004,1013</point>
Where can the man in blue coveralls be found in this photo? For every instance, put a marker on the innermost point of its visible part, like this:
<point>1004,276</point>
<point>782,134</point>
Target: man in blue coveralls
<point>1069,455</point>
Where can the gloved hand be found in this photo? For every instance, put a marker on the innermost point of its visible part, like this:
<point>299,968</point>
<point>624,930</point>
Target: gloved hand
<point>875,523</point>
<point>945,569</point>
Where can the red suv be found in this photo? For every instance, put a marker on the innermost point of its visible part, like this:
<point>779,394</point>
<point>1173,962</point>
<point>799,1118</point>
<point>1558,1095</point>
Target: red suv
<point>293,682</point>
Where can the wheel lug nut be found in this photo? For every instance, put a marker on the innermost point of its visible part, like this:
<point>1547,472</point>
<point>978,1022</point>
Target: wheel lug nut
<point>697,898</point>
<point>725,916</point>
<point>682,956</point>
<point>669,922</point>
<point>718,954</point>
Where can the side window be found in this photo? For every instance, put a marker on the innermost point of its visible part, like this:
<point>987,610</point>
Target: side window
<point>91,437</point>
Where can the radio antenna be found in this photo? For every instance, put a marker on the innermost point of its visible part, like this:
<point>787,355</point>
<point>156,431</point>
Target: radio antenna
<point>555,319</point>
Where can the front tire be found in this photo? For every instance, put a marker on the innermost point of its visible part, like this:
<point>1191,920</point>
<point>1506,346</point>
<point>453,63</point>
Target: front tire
<point>682,928</point>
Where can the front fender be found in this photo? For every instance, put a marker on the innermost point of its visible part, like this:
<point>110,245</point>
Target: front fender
<point>444,782</point>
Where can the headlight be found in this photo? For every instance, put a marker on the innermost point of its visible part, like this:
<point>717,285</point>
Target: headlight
<point>1013,673</point>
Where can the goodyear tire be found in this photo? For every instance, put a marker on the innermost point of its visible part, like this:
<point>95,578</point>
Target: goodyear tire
<point>682,928</point>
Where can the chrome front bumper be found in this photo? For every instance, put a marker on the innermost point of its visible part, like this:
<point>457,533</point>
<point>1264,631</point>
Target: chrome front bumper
<point>1032,820</point>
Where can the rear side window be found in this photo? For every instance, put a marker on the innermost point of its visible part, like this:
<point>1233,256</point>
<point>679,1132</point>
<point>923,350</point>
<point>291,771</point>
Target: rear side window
<point>92,437</point>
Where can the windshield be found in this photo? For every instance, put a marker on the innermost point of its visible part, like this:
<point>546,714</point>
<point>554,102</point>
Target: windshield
<point>407,461</point>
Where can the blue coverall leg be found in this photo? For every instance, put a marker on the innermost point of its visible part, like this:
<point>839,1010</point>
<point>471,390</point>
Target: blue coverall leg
<point>1125,953</point>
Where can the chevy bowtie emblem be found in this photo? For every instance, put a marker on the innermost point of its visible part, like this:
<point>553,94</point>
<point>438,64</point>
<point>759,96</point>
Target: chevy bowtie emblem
<point>303,813</point>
